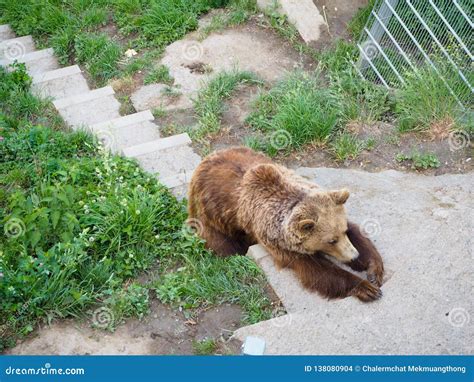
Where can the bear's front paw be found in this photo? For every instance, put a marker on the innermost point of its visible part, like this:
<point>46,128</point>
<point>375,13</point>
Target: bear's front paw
<point>375,274</point>
<point>367,291</point>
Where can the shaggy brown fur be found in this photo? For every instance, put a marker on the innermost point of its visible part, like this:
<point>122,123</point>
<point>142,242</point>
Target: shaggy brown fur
<point>241,198</point>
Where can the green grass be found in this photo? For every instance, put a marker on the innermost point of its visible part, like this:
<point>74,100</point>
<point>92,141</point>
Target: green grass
<point>75,29</point>
<point>209,103</point>
<point>425,100</point>
<point>159,74</point>
<point>237,13</point>
<point>346,146</point>
<point>357,23</point>
<point>297,111</point>
<point>419,161</point>
<point>98,54</point>
<point>205,347</point>
<point>77,224</point>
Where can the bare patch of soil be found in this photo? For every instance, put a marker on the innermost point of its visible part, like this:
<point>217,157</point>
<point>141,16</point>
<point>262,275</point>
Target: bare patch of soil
<point>337,14</point>
<point>388,144</point>
<point>163,331</point>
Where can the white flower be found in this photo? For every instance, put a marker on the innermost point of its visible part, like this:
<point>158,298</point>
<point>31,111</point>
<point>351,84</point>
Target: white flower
<point>130,53</point>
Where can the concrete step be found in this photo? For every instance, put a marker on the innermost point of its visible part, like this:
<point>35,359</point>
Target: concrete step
<point>157,145</point>
<point>60,83</point>
<point>83,110</point>
<point>171,158</point>
<point>303,14</point>
<point>36,62</point>
<point>428,280</point>
<point>6,33</point>
<point>16,48</point>
<point>127,131</point>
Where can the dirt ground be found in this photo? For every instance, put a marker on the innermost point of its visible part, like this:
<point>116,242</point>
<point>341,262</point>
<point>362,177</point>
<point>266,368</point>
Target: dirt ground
<point>163,331</point>
<point>337,14</point>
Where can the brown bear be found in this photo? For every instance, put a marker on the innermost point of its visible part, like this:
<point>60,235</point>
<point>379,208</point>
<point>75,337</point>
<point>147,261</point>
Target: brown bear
<point>240,198</point>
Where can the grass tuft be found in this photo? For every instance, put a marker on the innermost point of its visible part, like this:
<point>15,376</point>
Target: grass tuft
<point>206,346</point>
<point>300,108</point>
<point>425,101</point>
<point>346,146</point>
<point>209,104</point>
<point>159,74</point>
<point>99,54</point>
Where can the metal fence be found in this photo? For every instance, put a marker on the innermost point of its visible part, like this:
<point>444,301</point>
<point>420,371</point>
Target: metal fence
<point>402,37</point>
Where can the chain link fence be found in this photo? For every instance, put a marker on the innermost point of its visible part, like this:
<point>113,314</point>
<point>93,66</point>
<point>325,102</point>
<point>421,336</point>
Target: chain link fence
<point>403,36</point>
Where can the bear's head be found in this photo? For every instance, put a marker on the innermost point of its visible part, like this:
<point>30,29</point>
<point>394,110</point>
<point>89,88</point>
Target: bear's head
<point>318,223</point>
<point>307,221</point>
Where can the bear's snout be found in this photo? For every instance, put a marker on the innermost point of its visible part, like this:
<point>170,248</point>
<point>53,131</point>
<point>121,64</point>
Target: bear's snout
<point>347,251</point>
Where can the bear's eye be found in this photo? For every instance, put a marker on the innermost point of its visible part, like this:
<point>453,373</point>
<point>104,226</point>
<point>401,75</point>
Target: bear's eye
<point>332,242</point>
<point>307,227</point>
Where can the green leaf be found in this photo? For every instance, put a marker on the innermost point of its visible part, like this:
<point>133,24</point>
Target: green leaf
<point>55,218</point>
<point>35,237</point>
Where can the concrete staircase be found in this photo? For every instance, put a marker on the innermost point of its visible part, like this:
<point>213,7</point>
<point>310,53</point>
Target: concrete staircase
<point>97,110</point>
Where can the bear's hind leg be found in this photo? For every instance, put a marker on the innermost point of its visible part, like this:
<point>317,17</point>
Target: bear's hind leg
<point>224,245</point>
<point>369,258</point>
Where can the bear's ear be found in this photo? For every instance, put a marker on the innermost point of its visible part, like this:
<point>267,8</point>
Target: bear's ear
<point>306,226</point>
<point>340,196</point>
<point>267,173</point>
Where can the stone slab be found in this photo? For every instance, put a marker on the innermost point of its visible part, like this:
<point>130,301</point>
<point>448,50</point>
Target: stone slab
<point>16,48</point>
<point>119,138</point>
<point>303,14</point>
<point>61,87</point>
<point>126,120</point>
<point>56,74</point>
<point>36,62</point>
<point>157,145</point>
<point>6,33</point>
<point>423,227</point>
<point>85,110</point>
<point>170,162</point>
<point>92,95</point>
